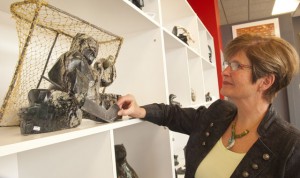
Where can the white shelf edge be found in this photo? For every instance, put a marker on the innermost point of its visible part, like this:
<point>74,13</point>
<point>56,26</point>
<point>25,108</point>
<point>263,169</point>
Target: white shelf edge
<point>24,143</point>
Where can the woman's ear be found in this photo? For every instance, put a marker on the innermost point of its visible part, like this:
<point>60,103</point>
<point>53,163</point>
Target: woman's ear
<point>267,82</point>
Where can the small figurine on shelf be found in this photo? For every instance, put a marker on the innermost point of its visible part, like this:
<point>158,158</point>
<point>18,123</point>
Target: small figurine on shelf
<point>209,54</point>
<point>176,162</point>
<point>208,97</point>
<point>172,102</point>
<point>181,170</point>
<point>138,3</point>
<point>184,35</point>
<point>193,95</point>
<point>124,170</point>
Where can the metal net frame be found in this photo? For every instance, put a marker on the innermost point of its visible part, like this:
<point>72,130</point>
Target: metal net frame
<point>45,32</point>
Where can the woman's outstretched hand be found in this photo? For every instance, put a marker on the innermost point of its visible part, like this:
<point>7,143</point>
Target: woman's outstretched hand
<point>129,107</point>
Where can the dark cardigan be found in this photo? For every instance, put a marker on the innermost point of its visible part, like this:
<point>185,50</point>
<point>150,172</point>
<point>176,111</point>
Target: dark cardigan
<point>275,154</point>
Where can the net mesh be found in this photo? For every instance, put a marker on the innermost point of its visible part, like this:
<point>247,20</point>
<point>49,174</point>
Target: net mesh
<point>45,32</point>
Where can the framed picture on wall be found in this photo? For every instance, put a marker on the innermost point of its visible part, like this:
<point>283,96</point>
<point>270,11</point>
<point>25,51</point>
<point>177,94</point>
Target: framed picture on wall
<point>268,27</point>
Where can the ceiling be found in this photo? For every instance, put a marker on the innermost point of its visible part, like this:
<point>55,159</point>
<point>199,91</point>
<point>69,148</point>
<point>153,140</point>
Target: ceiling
<point>238,11</point>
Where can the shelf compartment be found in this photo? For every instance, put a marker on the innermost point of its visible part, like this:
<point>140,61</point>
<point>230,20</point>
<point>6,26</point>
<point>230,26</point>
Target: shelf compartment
<point>179,142</point>
<point>171,8</point>
<point>9,166</point>
<point>178,75</point>
<point>203,40</point>
<point>210,79</point>
<point>150,9</point>
<point>210,43</point>
<point>116,16</point>
<point>186,19</point>
<point>151,148</point>
<point>196,78</point>
<point>69,155</point>
<point>140,67</point>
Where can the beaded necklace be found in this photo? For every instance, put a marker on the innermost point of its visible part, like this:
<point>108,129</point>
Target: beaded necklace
<point>231,140</point>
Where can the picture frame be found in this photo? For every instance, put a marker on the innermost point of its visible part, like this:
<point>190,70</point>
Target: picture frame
<point>268,27</point>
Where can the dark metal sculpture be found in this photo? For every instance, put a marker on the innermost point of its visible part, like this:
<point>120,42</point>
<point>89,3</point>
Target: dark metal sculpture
<point>138,3</point>
<point>183,36</point>
<point>209,54</point>
<point>75,87</point>
<point>50,111</point>
<point>44,33</point>
<point>172,102</point>
<point>181,170</point>
<point>124,170</point>
<point>208,97</point>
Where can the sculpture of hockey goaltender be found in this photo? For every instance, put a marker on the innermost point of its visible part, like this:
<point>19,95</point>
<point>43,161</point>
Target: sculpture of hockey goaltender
<point>81,55</point>
<point>75,83</point>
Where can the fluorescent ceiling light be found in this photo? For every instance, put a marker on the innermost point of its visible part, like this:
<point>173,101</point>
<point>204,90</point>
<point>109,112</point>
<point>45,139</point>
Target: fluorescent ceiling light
<point>285,6</point>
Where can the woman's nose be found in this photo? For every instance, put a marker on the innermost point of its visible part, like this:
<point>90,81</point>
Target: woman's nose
<point>226,70</point>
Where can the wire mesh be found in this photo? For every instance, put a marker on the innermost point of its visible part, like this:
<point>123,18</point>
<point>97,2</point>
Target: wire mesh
<point>45,32</point>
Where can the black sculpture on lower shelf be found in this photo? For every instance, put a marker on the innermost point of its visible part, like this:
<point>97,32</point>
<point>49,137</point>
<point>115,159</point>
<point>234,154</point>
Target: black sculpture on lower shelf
<point>124,170</point>
<point>181,170</point>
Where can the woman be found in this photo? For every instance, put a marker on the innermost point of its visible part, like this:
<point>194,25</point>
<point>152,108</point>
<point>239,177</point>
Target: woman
<point>244,137</point>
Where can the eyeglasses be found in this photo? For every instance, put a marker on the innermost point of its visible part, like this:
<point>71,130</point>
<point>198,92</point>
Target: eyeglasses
<point>235,65</point>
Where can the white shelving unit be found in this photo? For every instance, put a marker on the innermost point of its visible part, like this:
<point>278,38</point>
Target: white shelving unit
<point>152,64</point>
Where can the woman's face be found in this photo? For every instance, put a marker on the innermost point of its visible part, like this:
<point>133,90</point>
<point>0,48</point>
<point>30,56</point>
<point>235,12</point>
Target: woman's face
<point>237,78</point>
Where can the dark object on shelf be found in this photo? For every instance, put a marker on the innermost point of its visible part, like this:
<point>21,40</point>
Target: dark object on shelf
<point>106,111</point>
<point>171,100</point>
<point>138,3</point>
<point>49,111</point>
<point>75,86</point>
<point>49,43</point>
<point>183,36</point>
<point>208,97</point>
<point>72,72</point>
<point>124,170</point>
<point>209,54</point>
<point>176,162</point>
<point>193,95</point>
<point>181,170</point>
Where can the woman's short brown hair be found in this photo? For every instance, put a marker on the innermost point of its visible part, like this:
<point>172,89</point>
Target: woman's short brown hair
<point>268,55</point>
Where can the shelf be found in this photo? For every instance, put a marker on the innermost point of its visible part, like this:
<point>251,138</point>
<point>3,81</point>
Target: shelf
<point>13,142</point>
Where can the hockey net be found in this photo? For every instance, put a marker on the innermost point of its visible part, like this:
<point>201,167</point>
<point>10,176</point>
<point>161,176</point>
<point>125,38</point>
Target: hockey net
<point>45,32</point>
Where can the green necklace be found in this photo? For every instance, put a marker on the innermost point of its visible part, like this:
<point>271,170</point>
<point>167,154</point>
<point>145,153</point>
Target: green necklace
<point>231,140</point>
